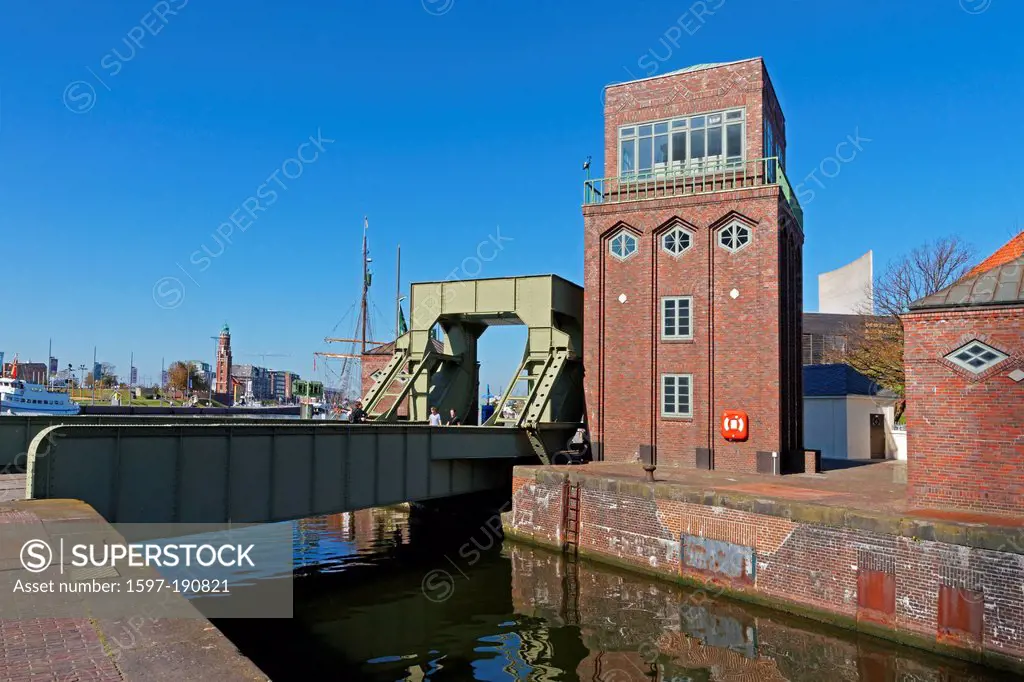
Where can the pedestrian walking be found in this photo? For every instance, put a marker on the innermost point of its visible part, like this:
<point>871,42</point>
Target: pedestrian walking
<point>453,419</point>
<point>435,417</point>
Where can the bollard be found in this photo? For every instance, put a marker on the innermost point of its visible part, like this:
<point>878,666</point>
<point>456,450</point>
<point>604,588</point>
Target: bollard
<point>649,468</point>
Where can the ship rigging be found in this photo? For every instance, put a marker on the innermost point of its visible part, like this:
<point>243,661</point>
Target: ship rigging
<point>348,379</point>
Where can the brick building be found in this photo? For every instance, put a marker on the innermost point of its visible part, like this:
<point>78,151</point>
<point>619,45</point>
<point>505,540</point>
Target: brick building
<point>281,382</point>
<point>373,362</point>
<point>32,372</point>
<point>252,379</point>
<point>827,337</point>
<point>964,362</point>
<point>693,258</point>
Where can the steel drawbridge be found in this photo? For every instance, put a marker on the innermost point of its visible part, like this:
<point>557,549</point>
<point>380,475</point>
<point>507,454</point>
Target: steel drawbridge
<point>544,396</point>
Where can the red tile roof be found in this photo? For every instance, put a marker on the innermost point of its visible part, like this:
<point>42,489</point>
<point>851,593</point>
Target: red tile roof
<point>1011,250</point>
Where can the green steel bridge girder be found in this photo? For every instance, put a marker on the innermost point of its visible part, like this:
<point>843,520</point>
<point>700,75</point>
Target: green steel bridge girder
<point>259,473</point>
<point>17,431</point>
<point>549,306</point>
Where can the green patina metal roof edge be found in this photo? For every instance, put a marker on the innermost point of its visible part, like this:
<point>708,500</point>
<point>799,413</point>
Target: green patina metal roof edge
<point>1002,285</point>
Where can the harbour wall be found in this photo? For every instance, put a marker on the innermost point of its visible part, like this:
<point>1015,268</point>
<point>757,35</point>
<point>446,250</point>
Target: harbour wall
<point>632,627</point>
<point>951,588</point>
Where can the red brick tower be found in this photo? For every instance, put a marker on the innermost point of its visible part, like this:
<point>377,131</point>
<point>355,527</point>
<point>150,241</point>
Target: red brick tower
<point>693,253</point>
<point>223,384</point>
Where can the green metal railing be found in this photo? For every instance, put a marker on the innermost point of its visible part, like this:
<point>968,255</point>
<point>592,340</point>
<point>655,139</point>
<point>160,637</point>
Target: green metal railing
<point>692,179</point>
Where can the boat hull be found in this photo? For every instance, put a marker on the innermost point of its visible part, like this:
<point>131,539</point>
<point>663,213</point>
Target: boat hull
<point>39,411</point>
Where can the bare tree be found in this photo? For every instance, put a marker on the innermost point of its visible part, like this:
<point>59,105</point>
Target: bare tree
<point>877,350</point>
<point>920,273</point>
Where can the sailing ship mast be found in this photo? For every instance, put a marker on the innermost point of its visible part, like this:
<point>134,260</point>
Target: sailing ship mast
<point>364,326</point>
<point>363,316</point>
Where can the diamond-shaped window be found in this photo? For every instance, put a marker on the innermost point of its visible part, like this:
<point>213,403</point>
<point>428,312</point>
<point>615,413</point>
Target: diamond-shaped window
<point>976,357</point>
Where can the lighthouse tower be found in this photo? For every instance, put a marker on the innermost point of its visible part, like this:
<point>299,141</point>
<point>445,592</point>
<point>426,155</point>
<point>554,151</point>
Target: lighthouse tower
<point>223,382</point>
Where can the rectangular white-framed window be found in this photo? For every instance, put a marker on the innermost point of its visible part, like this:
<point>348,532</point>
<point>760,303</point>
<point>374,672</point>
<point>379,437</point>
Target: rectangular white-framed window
<point>676,395</point>
<point>677,317</point>
<point>689,144</point>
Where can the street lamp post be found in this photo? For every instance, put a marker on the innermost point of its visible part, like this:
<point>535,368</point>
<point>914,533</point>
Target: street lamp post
<point>216,350</point>
<point>81,382</point>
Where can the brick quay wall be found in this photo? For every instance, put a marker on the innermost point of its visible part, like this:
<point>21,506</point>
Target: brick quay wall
<point>953,588</point>
<point>627,623</point>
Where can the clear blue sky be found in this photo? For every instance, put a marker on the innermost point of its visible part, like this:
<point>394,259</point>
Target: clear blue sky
<point>449,118</point>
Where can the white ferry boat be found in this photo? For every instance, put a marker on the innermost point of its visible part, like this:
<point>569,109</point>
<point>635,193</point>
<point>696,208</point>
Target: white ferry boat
<point>19,397</point>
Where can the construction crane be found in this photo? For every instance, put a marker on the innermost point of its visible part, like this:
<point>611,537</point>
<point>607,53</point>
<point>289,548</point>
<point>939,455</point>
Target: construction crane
<point>263,356</point>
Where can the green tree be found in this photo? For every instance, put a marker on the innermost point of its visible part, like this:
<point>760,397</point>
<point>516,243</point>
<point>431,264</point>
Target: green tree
<point>108,376</point>
<point>877,351</point>
<point>178,375</point>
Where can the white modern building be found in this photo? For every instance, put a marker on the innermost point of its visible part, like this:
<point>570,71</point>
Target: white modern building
<point>847,416</point>
<point>848,290</point>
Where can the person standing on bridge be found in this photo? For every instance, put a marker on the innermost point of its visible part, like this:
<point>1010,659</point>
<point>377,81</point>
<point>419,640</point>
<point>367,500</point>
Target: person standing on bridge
<point>357,415</point>
<point>453,419</point>
<point>435,417</point>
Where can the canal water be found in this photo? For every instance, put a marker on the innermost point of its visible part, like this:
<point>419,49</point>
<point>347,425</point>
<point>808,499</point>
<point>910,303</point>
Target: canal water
<point>381,598</point>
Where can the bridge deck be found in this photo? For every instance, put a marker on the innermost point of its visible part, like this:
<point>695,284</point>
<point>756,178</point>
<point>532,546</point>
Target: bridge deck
<point>210,473</point>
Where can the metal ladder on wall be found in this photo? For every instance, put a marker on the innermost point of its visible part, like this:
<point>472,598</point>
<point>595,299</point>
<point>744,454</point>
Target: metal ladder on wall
<point>571,538</point>
<point>571,591</point>
<point>571,517</point>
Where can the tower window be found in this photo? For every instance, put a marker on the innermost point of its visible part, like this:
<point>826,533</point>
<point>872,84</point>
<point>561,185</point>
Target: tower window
<point>676,240</point>
<point>622,245</point>
<point>677,395</point>
<point>734,237</point>
<point>976,357</point>
<point>688,145</point>
<point>677,317</point>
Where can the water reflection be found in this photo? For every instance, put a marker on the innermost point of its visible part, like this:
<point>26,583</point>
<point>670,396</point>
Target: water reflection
<point>519,613</point>
<point>326,544</point>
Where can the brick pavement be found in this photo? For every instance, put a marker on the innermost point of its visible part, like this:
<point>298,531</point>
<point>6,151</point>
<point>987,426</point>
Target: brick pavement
<point>12,487</point>
<point>94,650</point>
<point>878,487</point>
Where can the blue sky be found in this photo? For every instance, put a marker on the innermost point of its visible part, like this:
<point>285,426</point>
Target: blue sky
<point>449,120</point>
